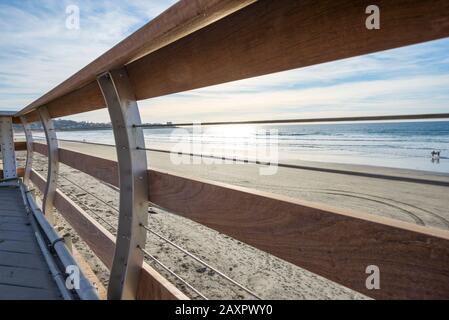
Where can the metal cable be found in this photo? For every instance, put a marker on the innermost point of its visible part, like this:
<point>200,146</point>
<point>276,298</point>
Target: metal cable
<point>181,153</point>
<point>213,157</point>
<point>87,142</point>
<point>293,166</point>
<point>169,242</point>
<point>311,120</point>
<point>202,262</point>
<point>80,141</point>
<point>91,210</point>
<point>161,237</point>
<point>147,253</point>
<point>89,193</point>
<point>165,239</point>
<point>172,272</point>
<point>99,217</point>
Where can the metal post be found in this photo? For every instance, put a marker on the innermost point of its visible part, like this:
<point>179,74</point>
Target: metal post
<point>124,113</point>
<point>53,164</point>
<point>29,142</point>
<point>7,148</point>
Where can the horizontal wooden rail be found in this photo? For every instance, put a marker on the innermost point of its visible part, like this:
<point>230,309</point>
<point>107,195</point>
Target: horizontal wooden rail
<point>20,146</point>
<point>20,172</point>
<point>336,244</point>
<point>102,169</point>
<point>257,39</point>
<point>152,285</point>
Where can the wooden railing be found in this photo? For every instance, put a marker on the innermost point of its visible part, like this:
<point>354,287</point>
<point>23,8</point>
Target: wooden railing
<point>198,43</point>
<point>336,244</point>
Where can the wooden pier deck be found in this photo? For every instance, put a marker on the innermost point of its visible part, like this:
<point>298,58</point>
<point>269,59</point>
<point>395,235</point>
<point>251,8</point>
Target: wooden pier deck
<point>24,273</point>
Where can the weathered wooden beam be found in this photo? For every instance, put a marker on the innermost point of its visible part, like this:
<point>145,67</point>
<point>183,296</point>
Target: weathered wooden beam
<point>95,235</point>
<point>336,244</point>
<point>20,146</point>
<point>152,285</point>
<point>272,36</point>
<point>102,169</point>
<point>19,170</point>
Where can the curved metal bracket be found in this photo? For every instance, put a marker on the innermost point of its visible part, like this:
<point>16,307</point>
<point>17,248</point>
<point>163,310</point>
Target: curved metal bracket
<point>29,143</point>
<point>53,164</point>
<point>124,113</point>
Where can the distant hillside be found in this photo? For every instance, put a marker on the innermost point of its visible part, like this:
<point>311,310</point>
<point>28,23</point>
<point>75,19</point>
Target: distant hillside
<point>62,125</point>
<point>66,125</point>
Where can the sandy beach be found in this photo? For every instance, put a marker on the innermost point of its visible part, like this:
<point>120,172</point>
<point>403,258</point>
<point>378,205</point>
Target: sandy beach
<point>269,277</point>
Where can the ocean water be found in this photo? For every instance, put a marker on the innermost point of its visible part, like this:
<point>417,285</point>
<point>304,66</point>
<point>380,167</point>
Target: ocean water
<point>405,145</point>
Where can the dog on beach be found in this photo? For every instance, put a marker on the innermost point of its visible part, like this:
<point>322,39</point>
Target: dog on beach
<point>435,154</point>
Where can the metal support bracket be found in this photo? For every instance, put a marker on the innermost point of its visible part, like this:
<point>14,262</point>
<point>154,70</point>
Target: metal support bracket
<point>29,143</point>
<point>7,149</point>
<point>124,113</point>
<point>53,164</point>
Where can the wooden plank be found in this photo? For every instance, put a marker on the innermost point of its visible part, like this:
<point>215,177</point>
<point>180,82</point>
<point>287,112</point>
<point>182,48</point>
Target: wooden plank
<point>20,172</point>
<point>9,245</point>
<point>94,234</point>
<point>89,274</point>
<point>272,36</point>
<point>336,244</point>
<point>26,277</point>
<point>102,169</point>
<point>22,265</point>
<point>12,292</point>
<point>40,148</point>
<point>20,146</point>
<point>102,243</point>
<point>184,17</point>
<point>32,261</point>
<point>153,286</point>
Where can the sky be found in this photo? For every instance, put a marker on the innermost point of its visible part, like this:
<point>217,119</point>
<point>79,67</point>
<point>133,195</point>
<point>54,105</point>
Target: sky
<point>38,51</point>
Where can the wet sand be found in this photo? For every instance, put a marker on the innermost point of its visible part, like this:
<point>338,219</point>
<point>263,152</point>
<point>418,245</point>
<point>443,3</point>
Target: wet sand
<point>269,277</point>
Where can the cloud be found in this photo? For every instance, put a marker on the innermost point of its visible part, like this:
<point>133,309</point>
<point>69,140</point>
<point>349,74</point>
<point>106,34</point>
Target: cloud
<point>374,97</point>
<point>37,52</point>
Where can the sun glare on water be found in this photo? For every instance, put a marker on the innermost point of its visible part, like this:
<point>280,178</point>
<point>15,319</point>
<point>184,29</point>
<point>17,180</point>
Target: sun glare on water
<point>232,131</point>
